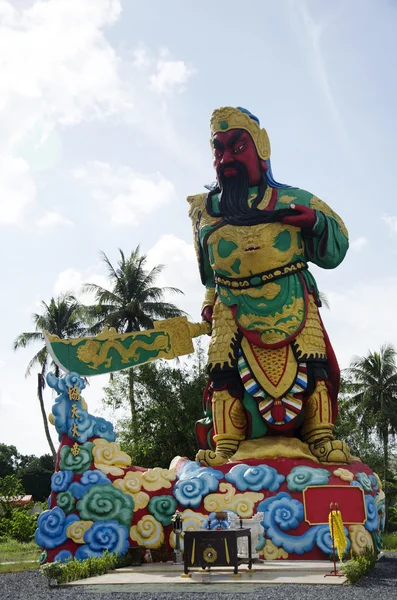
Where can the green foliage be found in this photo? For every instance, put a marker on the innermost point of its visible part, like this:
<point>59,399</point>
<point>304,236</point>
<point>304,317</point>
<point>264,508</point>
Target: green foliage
<point>36,476</point>
<point>9,458</point>
<point>359,565</point>
<point>22,525</point>
<point>168,404</point>
<point>73,569</point>
<point>10,487</point>
<point>63,316</point>
<point>371,389</point>
<point>132,300</point>
<point>34,472</point>
<point>390,541</point>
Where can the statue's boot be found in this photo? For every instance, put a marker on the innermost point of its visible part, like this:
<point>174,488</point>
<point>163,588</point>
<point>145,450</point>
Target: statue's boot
<point>229,426</point>
<point>317,430</point>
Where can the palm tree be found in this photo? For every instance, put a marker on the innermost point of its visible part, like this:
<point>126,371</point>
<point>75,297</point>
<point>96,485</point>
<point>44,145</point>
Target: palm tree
<point>374,394</point>
<point>62,316</point>
<point>132,302</point>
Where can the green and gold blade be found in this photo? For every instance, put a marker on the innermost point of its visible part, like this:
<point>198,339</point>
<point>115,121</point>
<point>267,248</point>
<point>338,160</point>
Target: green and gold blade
<point>112,351</point>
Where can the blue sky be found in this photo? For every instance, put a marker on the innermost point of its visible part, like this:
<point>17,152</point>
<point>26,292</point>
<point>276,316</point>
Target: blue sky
<point>105,108</point>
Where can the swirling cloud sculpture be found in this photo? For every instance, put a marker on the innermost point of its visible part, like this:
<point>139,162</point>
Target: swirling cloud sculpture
<point>162,508</point>
<point>104,502</point>
<point>260,477</point>
<point>108,535</point>
<point>61,480</point>
<point>148,532</point>
<point>372,513</point>
<point>77,463</point>
<point>51,528</point>
<point>364,481</point>
<point>301,477</point>
<point>191,491</point>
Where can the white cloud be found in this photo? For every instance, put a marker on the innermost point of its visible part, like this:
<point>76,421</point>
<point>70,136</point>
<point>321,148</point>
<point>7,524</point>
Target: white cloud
<point>180,271</point>
<point>127,196</point>
<point>358,244</point>
<point>356,323</point>
<point>141,59</point>
<point>72,280</point>
<point>52,220</point>
<point>57,66</point>
<point>391,222</point>
<point>171,76</point>
<point>17,189</point>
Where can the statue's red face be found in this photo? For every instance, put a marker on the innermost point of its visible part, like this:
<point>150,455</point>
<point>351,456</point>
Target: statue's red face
<point>233,146</point>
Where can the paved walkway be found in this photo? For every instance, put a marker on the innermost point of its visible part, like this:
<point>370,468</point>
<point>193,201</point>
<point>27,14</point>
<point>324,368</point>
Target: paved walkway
<point>273,572</point>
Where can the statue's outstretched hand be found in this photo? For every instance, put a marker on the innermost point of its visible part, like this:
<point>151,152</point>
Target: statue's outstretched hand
<point>305,217</point>
<point>206,315</point>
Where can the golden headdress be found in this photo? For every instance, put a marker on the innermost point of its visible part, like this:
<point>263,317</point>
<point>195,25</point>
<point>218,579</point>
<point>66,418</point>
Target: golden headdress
<point>227,117</point>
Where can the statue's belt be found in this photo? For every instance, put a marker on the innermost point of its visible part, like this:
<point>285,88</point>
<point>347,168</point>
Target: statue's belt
<point>260,278</point>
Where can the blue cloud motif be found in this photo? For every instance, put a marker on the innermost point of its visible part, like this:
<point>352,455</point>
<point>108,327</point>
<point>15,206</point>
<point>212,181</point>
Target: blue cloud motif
<point>61,412</point>
<point>85,551</point>
<point>61,384</point>
<point>63,556</point>
<point>189,492</point>
<point>77,489</point>
<point>60,480</point>
<point>356,484</point>
<point>374,482</point>
<point>56,383</point>
<point>282,510</point>
<point>189,469</point>
<point>324,539</point>
<point>85,425</point>
<point>372,513</point>
<point>364,481</point>
<point>94,477</point>
<point>282,513</point>
<point>260,477</point>
<point>195,482</point>
<point>104,429</point>
<point>107,535</point>
<point>51,528</point>
<point>71,379</point>
<point>209,479</point>
<point>88,479</point>
<point>301,477</point>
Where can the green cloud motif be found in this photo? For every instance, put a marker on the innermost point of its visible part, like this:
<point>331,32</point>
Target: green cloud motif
<point>79,463</point>
<point>103,502</point>
<point>162,508</point>
<point>66,501</point>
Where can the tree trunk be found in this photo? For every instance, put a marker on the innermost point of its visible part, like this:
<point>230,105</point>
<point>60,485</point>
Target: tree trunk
<point>131,398</point>
<point>40,386</point>
<point>385,461</point>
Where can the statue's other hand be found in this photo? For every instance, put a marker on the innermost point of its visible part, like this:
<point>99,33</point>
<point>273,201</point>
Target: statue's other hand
<point>305,217</point>
<point>206,315</point>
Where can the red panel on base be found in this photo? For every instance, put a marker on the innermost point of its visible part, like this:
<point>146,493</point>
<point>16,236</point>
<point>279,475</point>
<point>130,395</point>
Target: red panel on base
<point>350,500</point>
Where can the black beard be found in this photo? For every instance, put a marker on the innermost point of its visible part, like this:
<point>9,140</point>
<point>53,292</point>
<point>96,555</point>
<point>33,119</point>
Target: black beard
<point>233,199</point>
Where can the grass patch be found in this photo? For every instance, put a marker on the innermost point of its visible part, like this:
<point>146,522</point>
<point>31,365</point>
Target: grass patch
<point>389,541</point>
<point>13,551</point>
<point>18,567</point>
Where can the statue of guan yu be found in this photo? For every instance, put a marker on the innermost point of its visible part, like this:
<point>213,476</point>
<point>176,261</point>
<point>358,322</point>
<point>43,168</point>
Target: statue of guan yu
<point>272,370</point>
